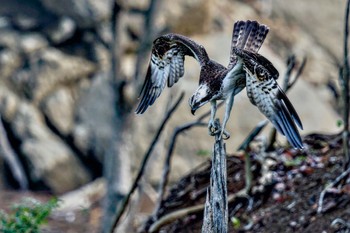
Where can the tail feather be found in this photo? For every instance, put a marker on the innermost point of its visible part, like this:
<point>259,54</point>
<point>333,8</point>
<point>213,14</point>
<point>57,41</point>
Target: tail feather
<point>247,35</point>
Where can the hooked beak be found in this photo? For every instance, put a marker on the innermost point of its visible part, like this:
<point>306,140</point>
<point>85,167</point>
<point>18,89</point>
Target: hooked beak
<point>193,111</point>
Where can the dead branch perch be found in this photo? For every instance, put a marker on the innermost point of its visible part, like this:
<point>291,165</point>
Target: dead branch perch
<point>216,206</point>
<point>145,160</point>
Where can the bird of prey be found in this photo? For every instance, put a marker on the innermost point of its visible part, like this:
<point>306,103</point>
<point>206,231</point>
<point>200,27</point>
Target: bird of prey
<point>246,68</point>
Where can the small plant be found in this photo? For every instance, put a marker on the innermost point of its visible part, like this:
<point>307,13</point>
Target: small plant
<point>27,216</point>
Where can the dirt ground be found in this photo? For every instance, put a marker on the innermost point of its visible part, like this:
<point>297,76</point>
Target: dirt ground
<point>285,192</point>
<point>284,195</point>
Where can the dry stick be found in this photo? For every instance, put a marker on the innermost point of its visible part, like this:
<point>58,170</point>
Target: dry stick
<point>332,184</point>
<point>216,209</point>
<point>345,81</point>
<point>166,169</point>
<point>252,135</point>
<point>298,74</point>
<point>12,159</point>
<point>146,158</point>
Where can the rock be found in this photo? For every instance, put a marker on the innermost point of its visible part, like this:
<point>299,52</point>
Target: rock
<point>8,103</point>
<point>85,13</point>
<point>4,22</point>
<point>9,39</point>
<point>84,197</point>
<point>47,155</point>
<point>63,30</point>
<point>135,4</point>
<point>25,22</point>
<point>47,158</point>
<point>32,42</point>
<point>48,69</point>
<point>177,16</point>
<point>10,61</point>
<point>59,109</point>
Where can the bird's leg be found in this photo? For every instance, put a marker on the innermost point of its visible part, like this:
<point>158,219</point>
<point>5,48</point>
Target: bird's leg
<point>211,125</point>
<point>229,104</point>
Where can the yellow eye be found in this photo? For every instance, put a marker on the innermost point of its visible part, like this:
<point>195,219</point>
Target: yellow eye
<point>260,74</point>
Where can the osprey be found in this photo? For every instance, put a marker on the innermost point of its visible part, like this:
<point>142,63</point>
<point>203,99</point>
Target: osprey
<point>246,68</point>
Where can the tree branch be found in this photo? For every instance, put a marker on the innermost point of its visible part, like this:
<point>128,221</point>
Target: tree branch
<point>145,160</point>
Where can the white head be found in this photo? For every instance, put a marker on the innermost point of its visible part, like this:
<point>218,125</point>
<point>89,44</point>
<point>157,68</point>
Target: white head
<point>200,97</point>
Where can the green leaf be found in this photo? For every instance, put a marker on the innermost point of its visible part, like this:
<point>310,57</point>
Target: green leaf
<point>236,222</point>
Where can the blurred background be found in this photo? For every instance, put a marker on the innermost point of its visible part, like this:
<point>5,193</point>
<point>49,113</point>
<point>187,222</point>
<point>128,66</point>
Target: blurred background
<point>69,85</point>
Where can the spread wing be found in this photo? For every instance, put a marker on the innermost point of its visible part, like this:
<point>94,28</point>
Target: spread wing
<point>247,35</point>
<point>167,66</point>
<point>264,92</point>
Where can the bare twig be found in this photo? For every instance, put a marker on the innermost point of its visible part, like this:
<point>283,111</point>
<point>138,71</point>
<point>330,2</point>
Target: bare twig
<point>252,135</point>
<point>12,159</point>
<point>166,169</point>
<point>175,215</point>
<point>297,75</point>
<point>146,158</point>
<point>332,184</point>
<point>342,222</point>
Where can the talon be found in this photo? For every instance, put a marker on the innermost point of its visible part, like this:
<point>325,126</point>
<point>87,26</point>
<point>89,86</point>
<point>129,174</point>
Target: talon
<point>212,129</point>
<point>224,135</point>
<point>227,135</point>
